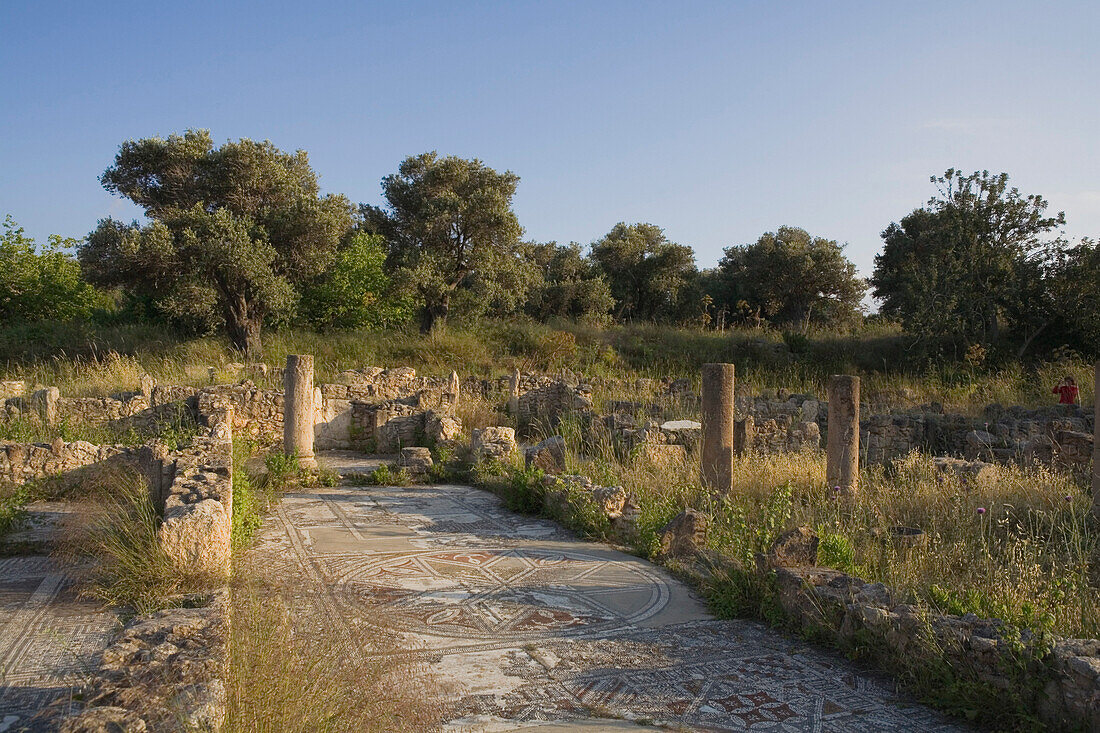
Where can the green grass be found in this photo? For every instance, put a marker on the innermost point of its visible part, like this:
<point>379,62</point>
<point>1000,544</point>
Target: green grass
<point>13,507</point>
<point>174,429</point>
<point>96,361</point>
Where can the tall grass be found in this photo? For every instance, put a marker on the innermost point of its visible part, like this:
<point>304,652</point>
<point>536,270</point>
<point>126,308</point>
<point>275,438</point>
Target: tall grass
<point>129,567</point>
<point>1018,543</point>
<point>291,670</point>
<point>87,360</point>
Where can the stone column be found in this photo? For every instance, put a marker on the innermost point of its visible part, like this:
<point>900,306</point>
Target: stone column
<point>298,408</point>
<point>1096,443</point>
<point>744,432</point>
<point>842,447</point>
<point>452,390</point>
<point>716,463</point>
<point>513,399</point>
<point>45,403</point>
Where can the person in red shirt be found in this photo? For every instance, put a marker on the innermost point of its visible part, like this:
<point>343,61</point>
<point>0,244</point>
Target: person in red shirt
<point>1067,392</point>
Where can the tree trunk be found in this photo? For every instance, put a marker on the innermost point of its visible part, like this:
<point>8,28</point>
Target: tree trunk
<point>434,313</point>
<point>1029,339</point>
<point>243,325</point>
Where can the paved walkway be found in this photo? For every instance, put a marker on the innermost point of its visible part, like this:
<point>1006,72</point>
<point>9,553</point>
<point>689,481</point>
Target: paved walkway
<point>49,637</point>
<point>527,627</point>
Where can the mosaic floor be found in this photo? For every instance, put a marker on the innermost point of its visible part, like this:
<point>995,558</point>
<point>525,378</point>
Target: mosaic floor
<point>527,627</point>
<point>48,639</point>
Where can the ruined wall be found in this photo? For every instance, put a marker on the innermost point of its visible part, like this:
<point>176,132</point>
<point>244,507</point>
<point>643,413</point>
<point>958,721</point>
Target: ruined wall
<point>550,400</point>
<point>825,600</point>
<point>23,462</point>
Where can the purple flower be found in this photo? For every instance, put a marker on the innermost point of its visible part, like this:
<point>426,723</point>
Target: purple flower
<point>1069,498</point>
<point>981,510</point>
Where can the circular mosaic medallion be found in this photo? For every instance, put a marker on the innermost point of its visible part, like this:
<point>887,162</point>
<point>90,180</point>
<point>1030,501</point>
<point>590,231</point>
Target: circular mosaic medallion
<point>500,593</point>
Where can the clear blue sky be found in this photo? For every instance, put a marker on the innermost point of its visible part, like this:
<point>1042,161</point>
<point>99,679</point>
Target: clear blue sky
<point>717,121</point>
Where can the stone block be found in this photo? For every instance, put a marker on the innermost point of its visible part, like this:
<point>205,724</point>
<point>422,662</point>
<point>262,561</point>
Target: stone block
<point>794,548</point>
<point>416,460</point>
<point>494,442</point>
<point>684,535</point>
<point>549,455</point>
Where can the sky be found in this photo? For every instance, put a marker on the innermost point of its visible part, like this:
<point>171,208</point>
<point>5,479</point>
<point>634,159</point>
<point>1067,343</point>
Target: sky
<point>717,121</point>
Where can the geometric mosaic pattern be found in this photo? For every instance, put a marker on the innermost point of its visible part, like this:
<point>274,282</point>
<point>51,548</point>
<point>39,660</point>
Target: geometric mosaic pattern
<point>522,622</point>
<point>501,593</point>
<point>48,640</point>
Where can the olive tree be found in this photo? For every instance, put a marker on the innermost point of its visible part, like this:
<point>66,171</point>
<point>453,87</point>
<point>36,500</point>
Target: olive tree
<point>233,231</point>
<point>449,225</point>
<point>648,274</point>
<point>790,277</point>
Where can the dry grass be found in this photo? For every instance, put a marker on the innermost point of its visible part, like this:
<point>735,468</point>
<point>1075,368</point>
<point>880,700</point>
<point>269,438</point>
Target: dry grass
<point>292,668</point>
<point>118,534</point>
<point>99,361</point>
<point>1031,556</point>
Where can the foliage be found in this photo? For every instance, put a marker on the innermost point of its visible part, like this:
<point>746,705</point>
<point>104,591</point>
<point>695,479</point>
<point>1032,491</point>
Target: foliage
<point>282,470</point>
<point>13,506</point>
<point>569,285</point>
<point>450,226</point>
<point>354,292</point>
<point>234,231</point>
<point>647,273</point>
<point>952,271</point>
<point>789,277</point>
<point>44,285</point>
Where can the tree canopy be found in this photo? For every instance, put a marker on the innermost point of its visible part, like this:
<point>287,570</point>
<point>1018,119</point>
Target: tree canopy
<point>648,274</point>
<point>450,225</point>
<point>569,285</point>
<point>790,277</point>
<point>41,285</point>
<point>952,271</point>
<point>234,231</point>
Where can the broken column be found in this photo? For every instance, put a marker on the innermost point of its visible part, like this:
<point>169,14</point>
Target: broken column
<point>298,409</point>
<point>1096,443</point>
<point>842,448</point>
<point>744,431</point>
<point>513,398</point>
<point>45,404</point>
<point>451,391</point>
<point>716,462</point>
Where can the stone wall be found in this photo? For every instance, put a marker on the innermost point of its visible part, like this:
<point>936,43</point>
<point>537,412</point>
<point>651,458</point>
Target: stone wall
<point>198,500</point>
<point>549,401</point>
<point>23,462</point>
<point>387,427</point>
<point>821,600</point>
<point>164,672</point>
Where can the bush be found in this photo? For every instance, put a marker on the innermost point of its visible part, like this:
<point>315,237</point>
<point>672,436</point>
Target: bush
<point>354,291</point>
<point>41,286</point>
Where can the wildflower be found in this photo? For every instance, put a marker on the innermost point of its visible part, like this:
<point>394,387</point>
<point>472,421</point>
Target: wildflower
<point>1069,498</point>
<point>981,510</point>
<point>836,489</point>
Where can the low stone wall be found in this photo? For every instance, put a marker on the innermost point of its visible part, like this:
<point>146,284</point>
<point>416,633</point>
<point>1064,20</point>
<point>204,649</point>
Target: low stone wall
<point>387,427</point>
<point>821,600</point>
<point>198,500</point>
<point>23,462</point>
<point>549,401</point>
<point>164,672</point>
